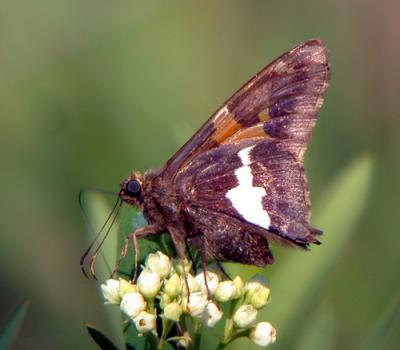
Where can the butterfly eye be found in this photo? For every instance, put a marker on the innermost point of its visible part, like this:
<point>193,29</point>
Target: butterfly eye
<point>133,188</point>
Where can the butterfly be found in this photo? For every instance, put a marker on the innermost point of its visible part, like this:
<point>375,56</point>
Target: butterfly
<point>239,182</point>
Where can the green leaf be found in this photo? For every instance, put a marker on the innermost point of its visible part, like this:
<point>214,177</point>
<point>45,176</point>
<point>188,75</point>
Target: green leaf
<point>100,338</point>
<point>320,331</point>
<point>130,220</point>
<point>98,211</point>
<point>384,329</point>
<point>10,330</point>
<point>300,277</point>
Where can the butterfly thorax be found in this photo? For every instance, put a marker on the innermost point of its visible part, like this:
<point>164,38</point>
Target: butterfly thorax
<point>156,198</point>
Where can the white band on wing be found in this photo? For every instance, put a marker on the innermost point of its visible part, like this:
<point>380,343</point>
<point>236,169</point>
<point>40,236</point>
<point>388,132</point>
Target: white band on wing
<point>246,198</point>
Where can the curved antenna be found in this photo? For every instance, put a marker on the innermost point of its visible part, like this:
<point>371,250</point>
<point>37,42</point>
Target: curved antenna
<point>97,250</point>
<point>97,235</point>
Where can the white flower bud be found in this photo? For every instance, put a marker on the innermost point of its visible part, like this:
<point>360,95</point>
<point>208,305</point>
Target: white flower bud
<point>182,267</point>
<point>257,291</point>
<point>164,300</point>
<point>196,305</point>
<point>263,334</point>
<point>110,291</point>
<point>126,287</point>
<point>260,298</point>
<point>173,286</point>
<point>173,311</point>
<point>212,281</point>
<point>145,322</point>
<point>245,316</point>
<point>191,282</point>
<point>132,304</point>
<point>149,283</point>
<point>226,291</point>
<point>255,283</point>
<point>211,315</point>
<point>239,286</point>
<point>185,340</point>
<point>159,263</point>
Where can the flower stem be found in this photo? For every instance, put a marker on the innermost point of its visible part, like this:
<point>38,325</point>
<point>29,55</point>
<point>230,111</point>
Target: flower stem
<point>166,327</point>
<point>229,331</point>
<point>220,346</point>
<point>196,335</point>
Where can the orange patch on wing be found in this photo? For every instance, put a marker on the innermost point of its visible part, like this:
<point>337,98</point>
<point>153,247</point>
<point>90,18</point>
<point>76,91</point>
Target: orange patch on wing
<point>225,128</point>
<point>264,116</point>
<point>252,132</point>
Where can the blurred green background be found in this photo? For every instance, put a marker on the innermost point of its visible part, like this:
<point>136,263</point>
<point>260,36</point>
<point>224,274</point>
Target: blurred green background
<point>90,90</point>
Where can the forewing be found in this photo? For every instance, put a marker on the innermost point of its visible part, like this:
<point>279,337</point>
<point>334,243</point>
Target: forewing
<point>281,103</point>
<point>258,182</point>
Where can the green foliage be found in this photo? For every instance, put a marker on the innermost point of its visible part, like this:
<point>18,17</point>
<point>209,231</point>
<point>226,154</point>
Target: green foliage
<point>100,339</point>
<point>12,326</point>
<point>383,330</point>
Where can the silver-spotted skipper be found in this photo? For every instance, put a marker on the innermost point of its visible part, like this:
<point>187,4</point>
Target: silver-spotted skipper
<point>239,181</point>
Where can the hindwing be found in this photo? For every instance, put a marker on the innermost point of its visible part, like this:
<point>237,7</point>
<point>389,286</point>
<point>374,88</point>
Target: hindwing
<point>258,182</point>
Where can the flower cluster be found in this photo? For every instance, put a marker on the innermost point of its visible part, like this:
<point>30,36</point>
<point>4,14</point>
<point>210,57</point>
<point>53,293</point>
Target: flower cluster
<point>179,294</point>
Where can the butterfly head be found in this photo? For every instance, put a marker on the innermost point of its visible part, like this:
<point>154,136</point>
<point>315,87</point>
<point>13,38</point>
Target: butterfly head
<point>132,189</point>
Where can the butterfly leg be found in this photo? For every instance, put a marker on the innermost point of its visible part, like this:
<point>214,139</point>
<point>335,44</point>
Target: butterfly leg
<point>204,268</point>
<point>141,232</point>
<point>221,268</point>
<point>179,244</point>
<point>190,256</point>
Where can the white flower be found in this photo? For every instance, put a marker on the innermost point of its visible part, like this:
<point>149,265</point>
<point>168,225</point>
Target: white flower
<point>110,291</point>
<point>173,286</point>
<point>159,263</point>
<point>211,314</point>
<point>263,334</point>
<point>245,316</point>
<point>226,291</point>
<point>173,311</point>
<point>149,283</point>
<point>212,281</point>
<point>191,282</point>
<point>196,305</point>
<point>145,322</point>
<point>126,287</point>
<point>257,291</point>
<point>132,304</point>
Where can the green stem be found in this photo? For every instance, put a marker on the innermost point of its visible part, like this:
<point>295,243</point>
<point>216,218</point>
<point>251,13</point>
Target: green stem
<point>166,327</point>
<point>228,331</point>
<point>150,304</point>
<point>221,346</point>
<point>196,335</point>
